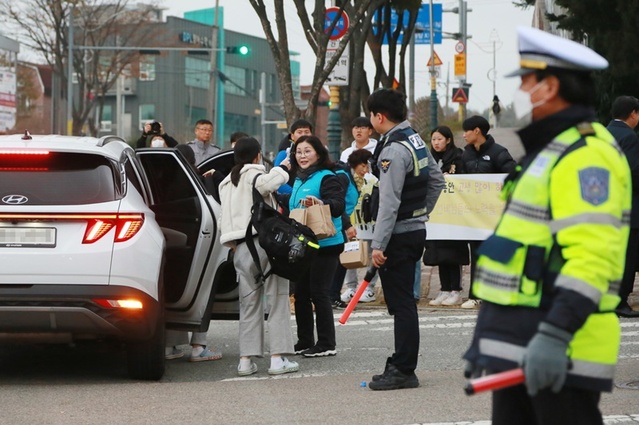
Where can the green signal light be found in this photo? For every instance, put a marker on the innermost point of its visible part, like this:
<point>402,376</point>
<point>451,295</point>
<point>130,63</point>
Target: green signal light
<point>242,50</point>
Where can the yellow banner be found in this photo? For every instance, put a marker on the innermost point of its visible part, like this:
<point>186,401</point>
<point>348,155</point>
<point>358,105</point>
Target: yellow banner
<point>468,208</point>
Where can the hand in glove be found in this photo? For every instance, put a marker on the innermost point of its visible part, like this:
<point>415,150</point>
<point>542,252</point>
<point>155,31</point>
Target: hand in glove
<point>472,370</point>
<point>545,360</point>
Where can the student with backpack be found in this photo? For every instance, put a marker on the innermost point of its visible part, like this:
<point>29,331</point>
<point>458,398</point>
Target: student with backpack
<point>236,195</point>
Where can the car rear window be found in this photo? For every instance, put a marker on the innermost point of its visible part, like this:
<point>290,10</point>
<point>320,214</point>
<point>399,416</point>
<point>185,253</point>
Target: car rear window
<point>56,178</point>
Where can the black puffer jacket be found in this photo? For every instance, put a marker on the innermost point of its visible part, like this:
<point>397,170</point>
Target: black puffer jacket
<point>491,158</point>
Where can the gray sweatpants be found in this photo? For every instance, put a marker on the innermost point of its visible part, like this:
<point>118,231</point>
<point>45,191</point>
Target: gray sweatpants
<point>255,299</point>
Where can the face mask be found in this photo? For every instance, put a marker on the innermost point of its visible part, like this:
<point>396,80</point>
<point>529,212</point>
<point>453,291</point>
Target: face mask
<point>157,143</point>
<point>522,104</point>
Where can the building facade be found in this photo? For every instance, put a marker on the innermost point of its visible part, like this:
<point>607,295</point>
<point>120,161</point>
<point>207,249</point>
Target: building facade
<point>172,86</point>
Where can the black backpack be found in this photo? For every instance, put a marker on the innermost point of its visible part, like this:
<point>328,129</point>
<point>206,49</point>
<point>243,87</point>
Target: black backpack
<point>290,246</point>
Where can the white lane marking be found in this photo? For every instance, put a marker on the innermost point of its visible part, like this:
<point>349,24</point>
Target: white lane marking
<point>608,420</point>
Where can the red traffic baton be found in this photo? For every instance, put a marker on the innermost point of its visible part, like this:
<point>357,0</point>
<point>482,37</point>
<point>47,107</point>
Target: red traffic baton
<point>496,381</point>
<point>370,274</point>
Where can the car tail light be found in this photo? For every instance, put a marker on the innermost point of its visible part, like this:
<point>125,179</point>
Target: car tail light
<point>126,224</point>
<point>20,152</point>
<point>128,304</point>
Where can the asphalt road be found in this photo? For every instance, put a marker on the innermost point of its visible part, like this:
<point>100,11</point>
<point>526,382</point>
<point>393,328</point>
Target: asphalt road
<point>87,384</point>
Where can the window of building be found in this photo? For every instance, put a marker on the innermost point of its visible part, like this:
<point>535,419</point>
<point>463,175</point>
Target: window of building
<point>147,114</point>
<point>147,68</point>
<point>194,114</point>
<point>196,73</point>
<point>107,113</point>
<point>238,80</point>
<point>236,122</point>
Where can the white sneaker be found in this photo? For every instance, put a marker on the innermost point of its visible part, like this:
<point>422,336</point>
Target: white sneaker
<point>440,298</point>
<point>347,295</point>
<point>454,298</point>
<point>367,297</point>
<point>470,303</point>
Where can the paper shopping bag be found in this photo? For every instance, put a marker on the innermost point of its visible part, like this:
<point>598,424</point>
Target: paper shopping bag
<point>299,215</point>
<point>318,218</point>
<point>355,255</point>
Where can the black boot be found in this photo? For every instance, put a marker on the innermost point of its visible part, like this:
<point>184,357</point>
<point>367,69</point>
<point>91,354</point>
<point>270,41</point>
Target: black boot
<point>393,379</point>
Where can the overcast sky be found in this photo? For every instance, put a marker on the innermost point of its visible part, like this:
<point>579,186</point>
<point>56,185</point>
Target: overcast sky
<point>489,20</point>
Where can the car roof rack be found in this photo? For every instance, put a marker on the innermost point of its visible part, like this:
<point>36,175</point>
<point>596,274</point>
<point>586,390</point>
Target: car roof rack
<point>106,139</point>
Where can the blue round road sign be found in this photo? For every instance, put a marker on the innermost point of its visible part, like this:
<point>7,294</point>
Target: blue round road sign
<point>340,27</point>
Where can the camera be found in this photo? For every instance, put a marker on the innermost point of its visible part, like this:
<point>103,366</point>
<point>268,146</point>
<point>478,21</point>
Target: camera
<point>156,129</point>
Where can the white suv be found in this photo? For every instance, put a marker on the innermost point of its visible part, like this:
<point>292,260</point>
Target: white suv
<point>100,242</point>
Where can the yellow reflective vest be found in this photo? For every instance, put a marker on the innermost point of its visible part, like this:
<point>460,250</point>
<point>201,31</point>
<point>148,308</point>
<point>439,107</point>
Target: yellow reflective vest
<point>563,236</point>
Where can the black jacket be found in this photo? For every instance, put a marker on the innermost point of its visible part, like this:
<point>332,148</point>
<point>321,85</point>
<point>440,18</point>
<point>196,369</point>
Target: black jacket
<point>629,143</point>
<point>491,158</point>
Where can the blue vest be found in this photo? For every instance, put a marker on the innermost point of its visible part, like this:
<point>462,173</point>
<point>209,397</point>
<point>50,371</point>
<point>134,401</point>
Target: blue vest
<point>312,187</point>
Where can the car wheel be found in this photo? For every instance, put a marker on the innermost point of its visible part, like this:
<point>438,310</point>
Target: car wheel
<point>145,359</point>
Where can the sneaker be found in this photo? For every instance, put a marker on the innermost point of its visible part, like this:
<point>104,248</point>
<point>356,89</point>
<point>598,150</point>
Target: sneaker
<point>318,352</point>
<point>440,298</point>
<point>250,371</point>
<point>393,379</point>
<point>454,298</point>
<point>339,304</point>
<point>171,353</point>
<point>470,303</point>
<point>205,355</point>
<point>300,348</point>
<point>287,367</point>
<point>367,297</point>
<point>347,295</point>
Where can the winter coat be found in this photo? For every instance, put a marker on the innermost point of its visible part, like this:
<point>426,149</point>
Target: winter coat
<point>237,201</point>
<point>629,143</point>
<point>491,158</point>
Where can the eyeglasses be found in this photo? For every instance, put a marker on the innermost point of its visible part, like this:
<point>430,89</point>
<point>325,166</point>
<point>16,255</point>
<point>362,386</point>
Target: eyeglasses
<point>305,153</point>
<point>204,129</point>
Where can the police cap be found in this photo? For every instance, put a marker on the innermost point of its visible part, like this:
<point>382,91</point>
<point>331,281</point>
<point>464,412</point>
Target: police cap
<point>539,50</point>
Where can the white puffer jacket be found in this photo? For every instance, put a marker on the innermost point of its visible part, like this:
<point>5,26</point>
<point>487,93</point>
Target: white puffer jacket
<point>237,200</point>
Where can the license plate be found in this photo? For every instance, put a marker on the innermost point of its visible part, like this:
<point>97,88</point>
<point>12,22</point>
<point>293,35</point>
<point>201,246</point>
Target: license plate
<point>24,237</point>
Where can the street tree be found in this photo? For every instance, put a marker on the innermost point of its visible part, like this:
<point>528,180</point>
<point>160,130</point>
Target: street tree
<point>610,28</point>
<point>43,27</point>
<point>313,27</point>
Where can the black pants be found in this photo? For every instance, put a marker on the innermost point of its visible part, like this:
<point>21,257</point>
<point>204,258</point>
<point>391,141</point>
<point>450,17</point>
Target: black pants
<point>450,277</point>
<point>474,246</point>
<point>398,277</point>
<point>338,282</point>
<point>628,281</point>
<point>312,290</point>
<point>570,406</point>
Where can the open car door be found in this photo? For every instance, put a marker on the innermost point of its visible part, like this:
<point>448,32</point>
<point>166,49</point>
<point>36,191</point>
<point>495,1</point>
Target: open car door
<point>196,264</point>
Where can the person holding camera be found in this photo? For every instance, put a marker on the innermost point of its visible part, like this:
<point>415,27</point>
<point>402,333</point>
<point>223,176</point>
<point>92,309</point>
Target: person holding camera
<point>236,194</point>
<point>150,131</point>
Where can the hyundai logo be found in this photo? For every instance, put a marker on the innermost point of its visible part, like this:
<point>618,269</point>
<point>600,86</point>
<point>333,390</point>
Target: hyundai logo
<point>15,199</point>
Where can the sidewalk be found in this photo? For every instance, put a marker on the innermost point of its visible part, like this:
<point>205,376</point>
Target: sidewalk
<point>430,286</point>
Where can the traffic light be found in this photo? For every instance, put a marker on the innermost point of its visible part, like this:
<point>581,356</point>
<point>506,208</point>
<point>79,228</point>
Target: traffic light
<point>242,50</point>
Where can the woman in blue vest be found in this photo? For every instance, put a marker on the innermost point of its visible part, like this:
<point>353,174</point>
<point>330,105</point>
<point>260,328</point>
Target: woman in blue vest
<point>316,183</point>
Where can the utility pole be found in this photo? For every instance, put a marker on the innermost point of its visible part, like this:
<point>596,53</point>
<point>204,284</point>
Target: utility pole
<point>463,29</point>
<point>433,73</point>
<point>70,75</point>
<point>212,100</point>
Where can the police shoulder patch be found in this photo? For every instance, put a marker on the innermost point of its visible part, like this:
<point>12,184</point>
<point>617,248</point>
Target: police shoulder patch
<point>384,164</point>
<point>594,184</point>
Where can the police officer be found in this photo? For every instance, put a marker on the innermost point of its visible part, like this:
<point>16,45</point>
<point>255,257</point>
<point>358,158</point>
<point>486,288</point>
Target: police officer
<point>549,274</point>
<point>409,184</point>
